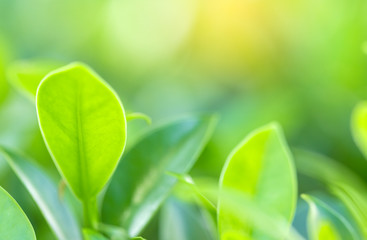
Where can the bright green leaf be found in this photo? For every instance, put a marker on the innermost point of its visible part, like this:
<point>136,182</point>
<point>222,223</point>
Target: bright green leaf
<point>14,224</point>
<point>184,221</point>
<point>247,211</point>
<point>324,223</point>
<point>359,126</point>
<point>84,126</point>
<point>141,183</point>
<point>262,168</point>
<point>27,75</point>
<point>45,193</point>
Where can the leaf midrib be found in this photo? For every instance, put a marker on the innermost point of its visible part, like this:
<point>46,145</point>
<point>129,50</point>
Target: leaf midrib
<point>82,163</point>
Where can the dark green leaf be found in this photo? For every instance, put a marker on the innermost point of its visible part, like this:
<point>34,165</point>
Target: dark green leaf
<point>140,183</point>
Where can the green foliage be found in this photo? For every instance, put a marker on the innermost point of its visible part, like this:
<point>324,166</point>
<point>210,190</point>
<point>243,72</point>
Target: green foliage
<point>184,221</point>
<point>45,193</point>
<point>26,75</point>
<point>14,224</point>
<point>142,173</point>
<point>84,126</point>
<point>359,126</point>
<point>348,187</point>
<point>324,223</point>
<point>90,234</point>
<point>261,168</point>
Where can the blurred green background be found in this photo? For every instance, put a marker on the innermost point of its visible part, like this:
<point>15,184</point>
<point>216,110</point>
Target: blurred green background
<point>302,63</point>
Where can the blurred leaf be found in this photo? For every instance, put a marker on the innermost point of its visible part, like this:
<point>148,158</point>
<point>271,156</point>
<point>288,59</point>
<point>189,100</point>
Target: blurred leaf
<point>84,127</point>
<point>4,58</point>
<point>45,193</point>
<point>325,169</point>
<point>359,126</point>
<point>355,201</point>
<point>132,116</point>
<point>262,168</point>
<point>184,221</point>
<point>90,234</point>
<point>268,225</point>
<point>26,75</point>
<point>191,192</point>
<point>14,224</point>
<point>324,223</point>
<point>348,187</point>
<point>113,232</point>
<point>140,183</point>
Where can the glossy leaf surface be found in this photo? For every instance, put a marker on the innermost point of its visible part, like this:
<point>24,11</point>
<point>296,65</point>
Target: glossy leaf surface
<point>84,127</point>
<point>141,183</point>
<point>324,223</point>
<point>261,168</point>
<point>14,224</point>
<point>45,193</point>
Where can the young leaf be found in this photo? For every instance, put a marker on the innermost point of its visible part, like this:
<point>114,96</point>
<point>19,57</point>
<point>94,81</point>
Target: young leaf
<point>83,124</point>
<point>325,223</point>
<point>359,126</point>
<point>136,115</point>
<point>45,193</point>
<point>184,221</point>
<point>262,168</point>
<point>14,224</point>
<point>247,212</point>
<point>140,183</point>
<point>27,75</point>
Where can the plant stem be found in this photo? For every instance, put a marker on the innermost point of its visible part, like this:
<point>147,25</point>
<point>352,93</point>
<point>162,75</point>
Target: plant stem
<point>90,213</point>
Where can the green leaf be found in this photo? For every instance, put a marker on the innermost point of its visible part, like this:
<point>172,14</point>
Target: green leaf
<point>140,183</point>
<point>14,224</point>
<point>342,182</point>
<point>45,193</point>
<point>251,214</point>
<point>90,234</point>
<point>324,223</point>
<point>113,232</point>
<point>4,58</point>
<point>189,191</point>
<point>260,167</point>
<point>359,126</point>
<point>355,201</point>
<point>83,124</point>
<point>27,75</point>
<point>133,116</point>
<point>184,221</point>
